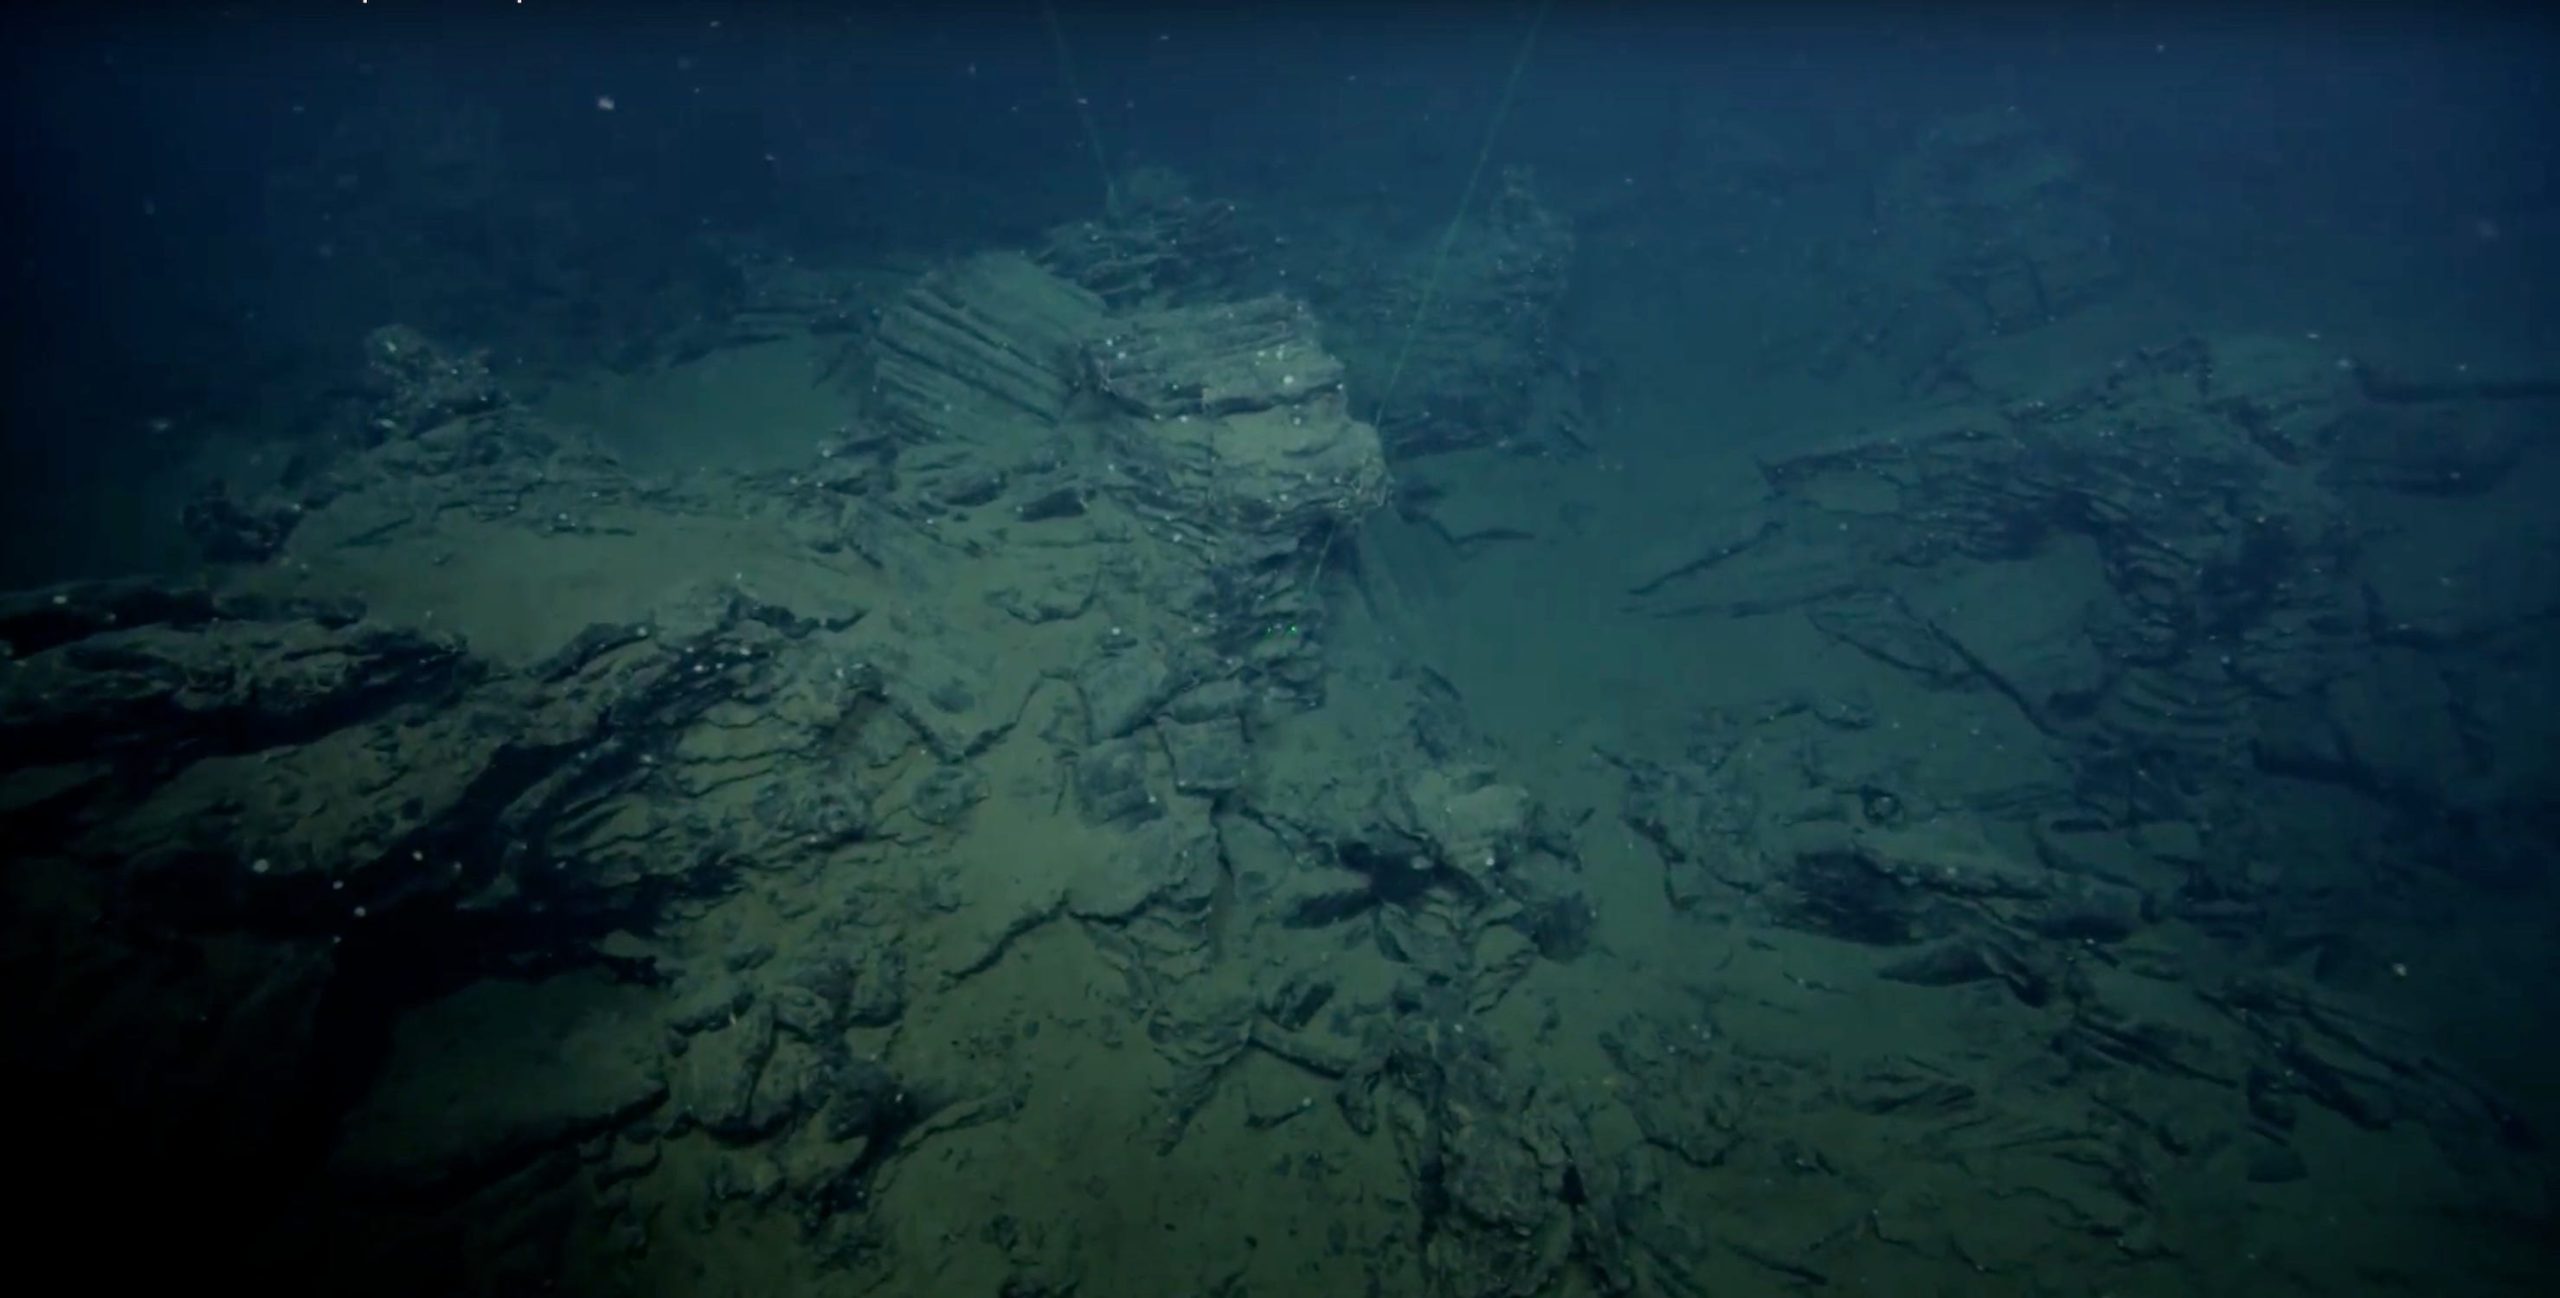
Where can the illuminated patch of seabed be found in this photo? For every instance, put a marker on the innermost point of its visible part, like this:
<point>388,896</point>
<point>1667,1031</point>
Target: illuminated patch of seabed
<point>739,409</point>
<point>517,594</point>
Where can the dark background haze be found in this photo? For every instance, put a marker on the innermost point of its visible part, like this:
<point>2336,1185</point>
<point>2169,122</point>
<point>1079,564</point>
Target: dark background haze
<point>206,208</point>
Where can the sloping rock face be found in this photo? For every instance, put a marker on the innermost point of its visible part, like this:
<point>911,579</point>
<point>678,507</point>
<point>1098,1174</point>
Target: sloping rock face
<point>2003,219</point>
<point>2242,591</point>
<point>955,864</point>
<point>980,351</point>
<point>1458,350</point>
<point>1233,436</point>
<point>1983,230</point>
<point>1004,655</point>
<point>1164,246</point>
<point>488,1080</point>
<point>2141,716</point>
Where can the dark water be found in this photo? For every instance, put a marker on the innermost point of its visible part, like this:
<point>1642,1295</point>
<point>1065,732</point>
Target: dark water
<point>1489,649</point>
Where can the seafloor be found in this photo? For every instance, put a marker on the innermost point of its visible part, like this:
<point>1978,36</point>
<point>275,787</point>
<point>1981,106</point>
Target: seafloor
<point>1107,768</point>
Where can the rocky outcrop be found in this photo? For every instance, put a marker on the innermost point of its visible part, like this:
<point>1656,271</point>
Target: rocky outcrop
<point>1235,440</point>
<point>1456,347</point>
<point>1162,246</point>
<point>2002,218</point>
<point>980,349</point>
<point>417,385</point>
